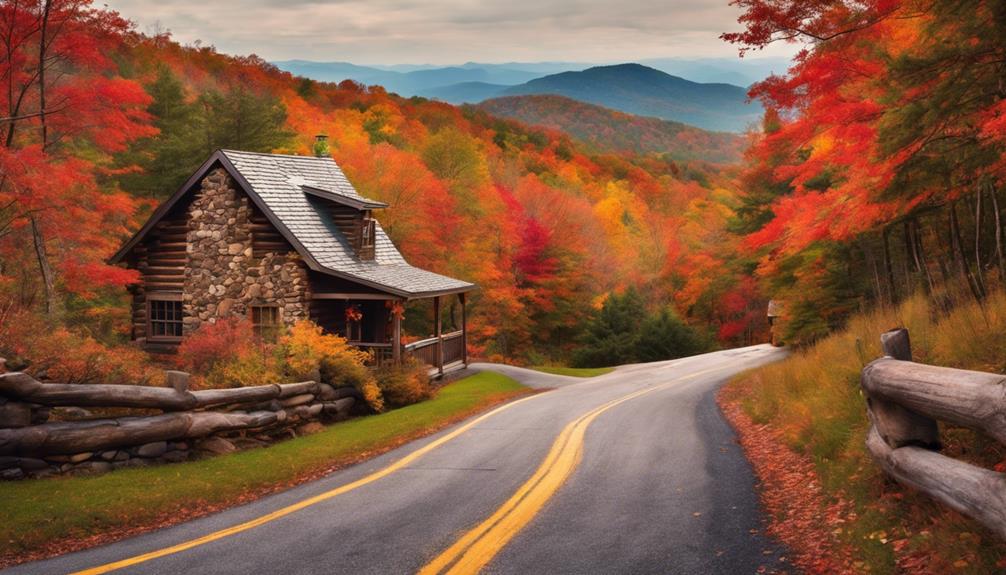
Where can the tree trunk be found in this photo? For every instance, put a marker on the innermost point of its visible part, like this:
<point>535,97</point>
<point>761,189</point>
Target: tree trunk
<point>877,286</point>
<point>48,281</point>
<point>920,253</point>
<point>43,49</point>
<point>999,232</point>
<point>980,275</point>
<point>957,245</point>
<point>892,293</point>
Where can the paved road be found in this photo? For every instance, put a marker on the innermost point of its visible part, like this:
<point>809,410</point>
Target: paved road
<point>650,481</point>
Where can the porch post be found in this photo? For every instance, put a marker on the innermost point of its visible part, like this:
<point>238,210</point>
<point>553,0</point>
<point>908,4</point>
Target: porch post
<point>440,335</point>
<point>464,329</point>
<point>396,350</point>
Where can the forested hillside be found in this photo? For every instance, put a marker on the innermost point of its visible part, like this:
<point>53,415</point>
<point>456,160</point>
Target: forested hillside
<point>605,130</point>
<point>102,122</point>
<point>881,166</point>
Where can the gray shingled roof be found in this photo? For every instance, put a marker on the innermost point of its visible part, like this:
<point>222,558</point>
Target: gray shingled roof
<point>278,181</point>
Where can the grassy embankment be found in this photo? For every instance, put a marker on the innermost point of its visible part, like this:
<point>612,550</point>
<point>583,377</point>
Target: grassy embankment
<point>574,371</point>
<point>813,400</point>
<point>46,514</point>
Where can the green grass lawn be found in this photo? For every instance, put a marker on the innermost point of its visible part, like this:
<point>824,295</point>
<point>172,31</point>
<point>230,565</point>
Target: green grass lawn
<point>574,371</point>
<point>42,512</point>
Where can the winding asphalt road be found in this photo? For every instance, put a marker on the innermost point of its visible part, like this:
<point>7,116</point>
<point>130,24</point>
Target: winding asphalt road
<point>635,471</point>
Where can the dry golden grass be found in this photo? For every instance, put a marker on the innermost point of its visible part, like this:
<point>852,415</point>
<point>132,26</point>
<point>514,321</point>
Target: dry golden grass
<point>813,399</point>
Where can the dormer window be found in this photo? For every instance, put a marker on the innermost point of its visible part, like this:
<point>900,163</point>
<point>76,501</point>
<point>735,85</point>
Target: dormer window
<point>368,233</point>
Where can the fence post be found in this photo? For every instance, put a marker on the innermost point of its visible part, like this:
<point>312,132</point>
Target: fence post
<point>897,425</point>
<point>179,380</point>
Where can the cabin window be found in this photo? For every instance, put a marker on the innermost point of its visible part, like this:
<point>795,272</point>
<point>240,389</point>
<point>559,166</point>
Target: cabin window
<point>266,321</point>
<point>164,316</point>
<point>368,233</point>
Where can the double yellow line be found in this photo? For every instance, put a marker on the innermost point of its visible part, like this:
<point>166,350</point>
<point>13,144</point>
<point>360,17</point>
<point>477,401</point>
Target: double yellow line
<point>476,548</point>
<point>283,512</point>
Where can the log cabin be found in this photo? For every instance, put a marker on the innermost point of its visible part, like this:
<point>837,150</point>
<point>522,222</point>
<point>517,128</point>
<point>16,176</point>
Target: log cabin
<point>276,239</point>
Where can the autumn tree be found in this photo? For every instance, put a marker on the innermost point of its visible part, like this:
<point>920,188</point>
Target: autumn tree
<point>67,110</point>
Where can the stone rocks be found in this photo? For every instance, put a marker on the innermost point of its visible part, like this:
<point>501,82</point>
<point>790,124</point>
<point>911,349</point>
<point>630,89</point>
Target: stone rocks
<point>216,446</point>
<point>12,474</point>
<point>309,428</point>
<point>248,443</point>
<point>80,457</point>
<point>176,456</point>
<point>222,277</point>
<point>339,408</point>
<point>92,468</point>
<point>155,449</point>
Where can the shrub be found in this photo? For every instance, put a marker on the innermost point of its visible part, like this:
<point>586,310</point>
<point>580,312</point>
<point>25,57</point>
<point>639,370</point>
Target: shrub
<point>342,371</point>
<point>250,366</point>
<point>32,344</point>
<point>215,343</point>
<point>405,384</point>
<point>307,350</point>
<point>228,354</point>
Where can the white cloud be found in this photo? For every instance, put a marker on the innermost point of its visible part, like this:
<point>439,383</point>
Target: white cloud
<point>447,31</point>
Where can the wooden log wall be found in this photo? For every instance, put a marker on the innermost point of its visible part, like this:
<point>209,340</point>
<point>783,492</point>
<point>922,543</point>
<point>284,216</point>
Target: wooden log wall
<point>904,401</point>
<point>265,237</point>
<point>350,224</point>
<point>32,445</point>
<point>161,260</point>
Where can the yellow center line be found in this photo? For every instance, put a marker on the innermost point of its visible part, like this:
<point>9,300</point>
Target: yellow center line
<point>476,548</point>
<point>558,455</point>
<point>283,512</point>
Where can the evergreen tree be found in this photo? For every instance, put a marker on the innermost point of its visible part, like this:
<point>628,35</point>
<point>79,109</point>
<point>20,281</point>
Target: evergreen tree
<point>612,335</point>
<point>190,132</point>
<point>664,336</point>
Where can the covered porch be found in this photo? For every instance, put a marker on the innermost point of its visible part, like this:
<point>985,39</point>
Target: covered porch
<point>433,329</point>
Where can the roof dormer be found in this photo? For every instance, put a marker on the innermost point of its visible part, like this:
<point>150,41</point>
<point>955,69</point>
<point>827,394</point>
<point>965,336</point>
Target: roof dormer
<point>353,216</point>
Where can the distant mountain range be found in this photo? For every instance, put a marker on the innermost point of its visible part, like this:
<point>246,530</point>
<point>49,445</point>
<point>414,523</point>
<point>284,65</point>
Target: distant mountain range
<point>605,130</point>
<point>644,91</point>
<point>415,81</point>
<point>630,88</point>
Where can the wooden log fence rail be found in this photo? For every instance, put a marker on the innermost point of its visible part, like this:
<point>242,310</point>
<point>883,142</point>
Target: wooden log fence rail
<point>904,402</point>
<point>190,422</point>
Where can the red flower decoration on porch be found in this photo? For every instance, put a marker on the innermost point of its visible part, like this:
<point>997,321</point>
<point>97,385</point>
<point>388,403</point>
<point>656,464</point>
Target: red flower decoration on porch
<point>353,313</point>
<point>397,308</point>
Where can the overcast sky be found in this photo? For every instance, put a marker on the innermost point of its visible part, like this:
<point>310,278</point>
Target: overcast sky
<point>447,31</point>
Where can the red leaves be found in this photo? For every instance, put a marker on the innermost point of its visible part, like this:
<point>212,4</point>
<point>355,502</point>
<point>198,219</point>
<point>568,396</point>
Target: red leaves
<point>801,515</point>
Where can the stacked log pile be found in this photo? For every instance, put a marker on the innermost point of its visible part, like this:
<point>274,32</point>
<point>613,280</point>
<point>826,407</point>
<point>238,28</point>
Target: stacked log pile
<point>49,428</point>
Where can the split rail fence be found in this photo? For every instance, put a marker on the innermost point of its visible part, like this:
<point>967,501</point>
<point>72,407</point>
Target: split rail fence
<point>906,399</point>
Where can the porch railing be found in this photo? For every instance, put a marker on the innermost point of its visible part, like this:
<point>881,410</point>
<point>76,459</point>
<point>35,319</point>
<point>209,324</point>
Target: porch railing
<point>433,351</point>
<point>439,351</point>
<point>383,353</point>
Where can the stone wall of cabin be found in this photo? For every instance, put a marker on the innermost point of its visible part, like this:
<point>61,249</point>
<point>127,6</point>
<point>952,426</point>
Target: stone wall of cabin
<point>224,275</point>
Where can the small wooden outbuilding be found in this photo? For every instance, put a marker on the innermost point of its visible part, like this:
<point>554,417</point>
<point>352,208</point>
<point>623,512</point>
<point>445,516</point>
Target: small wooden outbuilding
<point>279,238</point>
